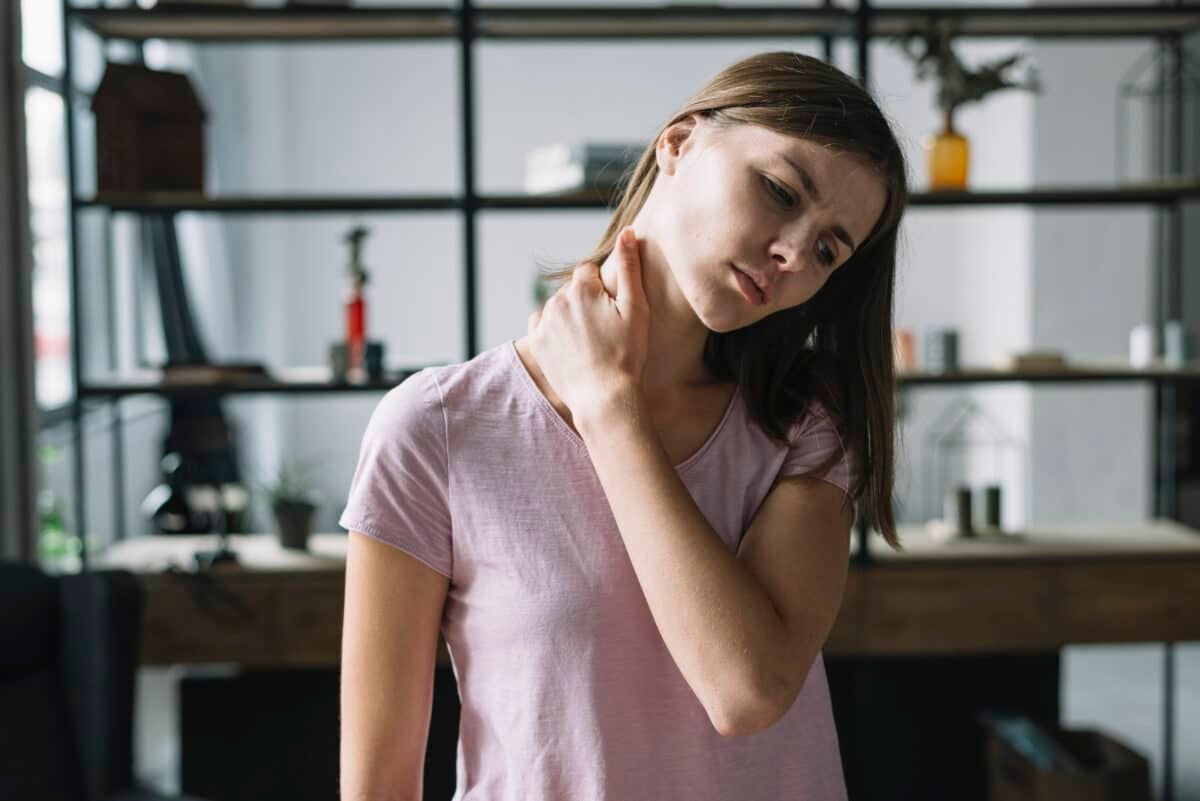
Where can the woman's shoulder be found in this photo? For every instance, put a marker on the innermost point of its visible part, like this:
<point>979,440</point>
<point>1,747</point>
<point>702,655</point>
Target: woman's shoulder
<point>815,422</point>
<point>422,403</point>
<point>483,379</point>
<point>413,404</point>
<point>464,390</point>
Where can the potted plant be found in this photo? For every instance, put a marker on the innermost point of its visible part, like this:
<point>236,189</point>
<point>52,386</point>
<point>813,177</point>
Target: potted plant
<point>931,52</point>
<point>293,504</point>
<point>59,551</point>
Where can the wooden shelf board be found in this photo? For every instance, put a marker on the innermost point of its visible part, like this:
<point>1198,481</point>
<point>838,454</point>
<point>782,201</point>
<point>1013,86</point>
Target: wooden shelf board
<point>1076,583</point>
<point>1073,373</point>
<point>1152,539</point>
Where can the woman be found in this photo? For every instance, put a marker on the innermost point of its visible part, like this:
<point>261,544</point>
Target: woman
<point>632,525</point>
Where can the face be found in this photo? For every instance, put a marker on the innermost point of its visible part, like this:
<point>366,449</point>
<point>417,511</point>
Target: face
<point>728,200</point>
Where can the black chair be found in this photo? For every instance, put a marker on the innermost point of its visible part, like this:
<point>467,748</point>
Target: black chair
<point>69,650</point>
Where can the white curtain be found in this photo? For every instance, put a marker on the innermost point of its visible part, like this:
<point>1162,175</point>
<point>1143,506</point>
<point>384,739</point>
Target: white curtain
<point>18,412</point>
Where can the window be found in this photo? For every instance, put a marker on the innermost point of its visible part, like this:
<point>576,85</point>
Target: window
<point>48,218</point>
<point>41,36</point>
<point>45,140</point>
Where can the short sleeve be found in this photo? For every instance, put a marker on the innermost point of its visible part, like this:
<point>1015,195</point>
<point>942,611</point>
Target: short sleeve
<point>400,489</point>
<point>812,440</point>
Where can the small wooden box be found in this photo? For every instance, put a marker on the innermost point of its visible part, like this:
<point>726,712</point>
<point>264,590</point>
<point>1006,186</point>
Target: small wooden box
<point>1113,772</point>
<point>149,131</point>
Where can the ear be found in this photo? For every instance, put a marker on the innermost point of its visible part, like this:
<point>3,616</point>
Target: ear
<point>673,141</point>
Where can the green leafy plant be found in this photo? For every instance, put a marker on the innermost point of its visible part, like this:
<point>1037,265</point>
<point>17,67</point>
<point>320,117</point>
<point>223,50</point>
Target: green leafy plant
<point>930,49</point>
<point>541,289</point>
<point>58,549</point>
<point>290,485</point>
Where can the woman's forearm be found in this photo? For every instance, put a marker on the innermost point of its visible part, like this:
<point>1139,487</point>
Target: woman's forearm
<point>716,620</point>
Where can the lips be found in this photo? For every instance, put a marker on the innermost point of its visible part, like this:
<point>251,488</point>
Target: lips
<point>762,283</point>
<point>748,288</point>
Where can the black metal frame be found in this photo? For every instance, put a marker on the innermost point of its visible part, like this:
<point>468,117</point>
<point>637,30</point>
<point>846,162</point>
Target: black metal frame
<point>467,23</point>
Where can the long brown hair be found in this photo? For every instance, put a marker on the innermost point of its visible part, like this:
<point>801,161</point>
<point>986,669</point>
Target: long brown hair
<point>837,346</point>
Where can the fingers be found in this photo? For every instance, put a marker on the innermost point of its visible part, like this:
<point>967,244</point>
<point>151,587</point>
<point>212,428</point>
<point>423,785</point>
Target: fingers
<point>628,240</point>
<point>585,280</point>
<point>586,271</point>
<point>629,266</point>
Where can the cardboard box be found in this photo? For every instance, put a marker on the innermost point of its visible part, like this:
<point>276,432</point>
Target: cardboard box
<point>1110,770</point>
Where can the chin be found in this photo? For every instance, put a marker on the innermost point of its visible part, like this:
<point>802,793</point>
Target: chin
<point>725,327</point>
<point>723,316</point>
<point>719,310</point>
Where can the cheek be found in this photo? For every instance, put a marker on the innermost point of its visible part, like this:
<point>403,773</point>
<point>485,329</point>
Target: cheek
<point>695,229</point>
<point>804,286</point>
<point>720,218</point>
<point>712,218</point>
<point>702,213</point>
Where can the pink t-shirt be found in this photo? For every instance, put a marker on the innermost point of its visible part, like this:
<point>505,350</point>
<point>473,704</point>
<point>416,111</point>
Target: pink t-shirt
<point>567,688</point>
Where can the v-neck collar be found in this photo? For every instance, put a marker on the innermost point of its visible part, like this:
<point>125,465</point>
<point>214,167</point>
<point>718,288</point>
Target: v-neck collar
<point>544,403</point>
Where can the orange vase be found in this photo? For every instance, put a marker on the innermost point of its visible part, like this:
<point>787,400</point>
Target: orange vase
<point>949,154</point>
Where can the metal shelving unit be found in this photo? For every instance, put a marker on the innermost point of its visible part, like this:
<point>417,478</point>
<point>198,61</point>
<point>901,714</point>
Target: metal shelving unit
<point>1163,193</point>
<point>317,379</point>
<point>468,23</point>
<point>599,22</point>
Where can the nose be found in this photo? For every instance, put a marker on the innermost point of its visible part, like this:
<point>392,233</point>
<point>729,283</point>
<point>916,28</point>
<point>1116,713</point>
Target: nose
<point>784,259</point>
<point>789,248</point>
<point>785,253</point>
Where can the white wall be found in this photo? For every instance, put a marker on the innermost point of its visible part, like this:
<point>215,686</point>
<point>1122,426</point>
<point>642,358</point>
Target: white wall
<point>1093,269</point>
<point>967,269</point>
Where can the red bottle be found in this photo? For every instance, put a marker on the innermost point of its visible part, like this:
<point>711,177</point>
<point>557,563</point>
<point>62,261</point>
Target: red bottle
<point>356,303</point>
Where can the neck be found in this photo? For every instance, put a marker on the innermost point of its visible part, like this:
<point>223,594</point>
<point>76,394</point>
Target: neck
<point>674,360</point>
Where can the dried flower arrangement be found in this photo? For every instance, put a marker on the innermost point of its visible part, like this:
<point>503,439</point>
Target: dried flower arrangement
<point>931,51</point>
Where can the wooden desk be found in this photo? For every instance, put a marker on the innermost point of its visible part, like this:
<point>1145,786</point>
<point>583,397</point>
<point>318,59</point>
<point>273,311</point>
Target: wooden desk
<point>1062,585</point>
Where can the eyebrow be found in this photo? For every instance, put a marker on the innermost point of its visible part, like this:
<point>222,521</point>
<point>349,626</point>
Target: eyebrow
<point>811,188</point>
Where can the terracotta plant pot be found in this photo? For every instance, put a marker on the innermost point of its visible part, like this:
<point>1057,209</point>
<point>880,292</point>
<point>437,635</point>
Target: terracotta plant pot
<point>293,523</point>
<point>949,157</point>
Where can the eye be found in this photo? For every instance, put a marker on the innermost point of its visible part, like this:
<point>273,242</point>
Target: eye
<point>824,254</point>
<point>779,193</point>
